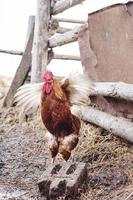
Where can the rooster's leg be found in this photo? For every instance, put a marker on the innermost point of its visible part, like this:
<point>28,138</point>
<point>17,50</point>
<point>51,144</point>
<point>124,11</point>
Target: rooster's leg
<point>53,160</point>
<point>67,144</point>
<point>53,145</point>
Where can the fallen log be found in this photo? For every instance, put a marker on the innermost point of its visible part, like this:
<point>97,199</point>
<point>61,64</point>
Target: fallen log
<point>113,89</point>
<point>115,125</point>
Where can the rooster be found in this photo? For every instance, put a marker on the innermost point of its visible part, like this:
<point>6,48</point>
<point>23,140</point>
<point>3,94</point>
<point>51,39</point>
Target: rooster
<point>56,96</point>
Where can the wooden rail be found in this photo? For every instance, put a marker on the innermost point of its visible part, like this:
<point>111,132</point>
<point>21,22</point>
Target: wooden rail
<point>69,20</point>
<point>55,56</point>
<point>67,37</point>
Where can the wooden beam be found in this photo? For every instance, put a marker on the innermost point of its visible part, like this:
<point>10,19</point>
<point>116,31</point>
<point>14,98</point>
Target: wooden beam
<point>66,57</point>
<point>63,29</point>
<point>12,52</point>
<point>113,89</point>
<point>55,28</point>
<point>67,37</point>
<point>31,25</point>
<point>115,125</point>
<point>50,55</point>
<point>55,56</point>
<point>62,5</point>
<point>69,20</point>
<point>21,73</point>
<point>40,44</point>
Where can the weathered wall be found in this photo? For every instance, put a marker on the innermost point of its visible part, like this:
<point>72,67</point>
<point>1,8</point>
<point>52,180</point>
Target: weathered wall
<point>110,41</point>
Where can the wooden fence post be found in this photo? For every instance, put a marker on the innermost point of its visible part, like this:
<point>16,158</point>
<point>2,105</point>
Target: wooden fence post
<point>21,73</point>
<point>31,25</point>
<point>25,64</point>
<point>40,43</point>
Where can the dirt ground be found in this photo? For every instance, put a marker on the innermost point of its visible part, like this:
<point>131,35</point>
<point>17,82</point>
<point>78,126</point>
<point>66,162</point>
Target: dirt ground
<point>24,157</point>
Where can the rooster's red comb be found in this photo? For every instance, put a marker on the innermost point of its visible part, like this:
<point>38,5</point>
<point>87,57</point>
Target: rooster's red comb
<point>47,75</point>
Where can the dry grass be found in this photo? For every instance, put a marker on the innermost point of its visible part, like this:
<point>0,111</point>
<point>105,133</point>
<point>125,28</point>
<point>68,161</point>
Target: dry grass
<point>25,156</point>
<point>109,160</point>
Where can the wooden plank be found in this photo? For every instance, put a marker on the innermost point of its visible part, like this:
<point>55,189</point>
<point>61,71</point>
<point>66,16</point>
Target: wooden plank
<point>21,73</point>
<point>40,44</point>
